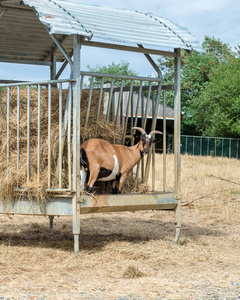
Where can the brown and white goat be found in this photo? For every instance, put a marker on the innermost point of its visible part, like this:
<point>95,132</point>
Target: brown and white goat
<point>100,160</point>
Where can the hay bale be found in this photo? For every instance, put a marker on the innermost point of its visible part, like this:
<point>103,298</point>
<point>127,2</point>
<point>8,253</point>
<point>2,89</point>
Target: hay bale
<point>13,181</point>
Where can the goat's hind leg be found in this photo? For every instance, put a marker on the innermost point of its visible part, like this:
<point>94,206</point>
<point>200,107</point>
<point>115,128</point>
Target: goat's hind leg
<point>115,189</point>
<point>93,175</point>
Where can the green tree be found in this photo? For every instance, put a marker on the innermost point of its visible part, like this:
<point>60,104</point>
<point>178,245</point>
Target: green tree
<point>196,70</point>
<point>123,68</point>
<point>217,110</point>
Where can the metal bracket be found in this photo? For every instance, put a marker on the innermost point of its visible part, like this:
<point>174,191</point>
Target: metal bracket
<point>80,200</point>
<point>178,197</point>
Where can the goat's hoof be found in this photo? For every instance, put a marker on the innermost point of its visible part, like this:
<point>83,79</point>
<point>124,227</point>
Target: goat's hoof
<point>89,189</point>
<point>116,191</point>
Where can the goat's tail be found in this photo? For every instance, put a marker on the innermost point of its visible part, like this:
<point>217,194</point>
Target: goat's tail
<point>83,159</point>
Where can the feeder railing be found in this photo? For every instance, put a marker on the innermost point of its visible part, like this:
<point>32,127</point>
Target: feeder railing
<point>125,101</point>
<point>27,136</point>
<point>129,101</point>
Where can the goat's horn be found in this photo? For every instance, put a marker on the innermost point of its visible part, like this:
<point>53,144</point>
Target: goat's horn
<point>140,129</point>
<point>155,132</point>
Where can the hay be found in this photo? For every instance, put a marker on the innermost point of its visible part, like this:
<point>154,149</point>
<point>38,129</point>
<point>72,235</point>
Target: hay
<point>13,180</point>
<point>133,272</point>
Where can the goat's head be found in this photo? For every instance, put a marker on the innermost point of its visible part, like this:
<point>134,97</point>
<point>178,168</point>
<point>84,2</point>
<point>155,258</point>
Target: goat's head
<point>146,140</point>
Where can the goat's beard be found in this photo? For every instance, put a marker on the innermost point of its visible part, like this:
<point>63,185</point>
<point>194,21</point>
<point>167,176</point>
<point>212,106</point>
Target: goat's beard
<point>145,151</point>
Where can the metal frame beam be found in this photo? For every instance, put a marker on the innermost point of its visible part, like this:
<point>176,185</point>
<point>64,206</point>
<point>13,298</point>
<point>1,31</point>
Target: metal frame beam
<point>61,48</point>
<point>128,48</point>
<point>56,46</point>
<point>62,68</point>
<point>23,6</point>
<point>152,62</point>
<point>26,61</point>
<point>62,205</point>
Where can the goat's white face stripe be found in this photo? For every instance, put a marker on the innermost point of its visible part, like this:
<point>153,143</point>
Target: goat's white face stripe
<point>115,170</point>
<point>148,136</point>
<point>83,175</point>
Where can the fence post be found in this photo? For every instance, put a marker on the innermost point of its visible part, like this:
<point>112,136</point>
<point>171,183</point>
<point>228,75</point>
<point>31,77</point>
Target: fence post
<point>177,137</point>
<point>164,143</point>
<point>237,149</point>
<point>186,144</point>
<point>193,145</point>
<point>222,146</point>
<point>208,149</point>
<point>201,146</point>
<point>230,146</point>
<point>76,141</point>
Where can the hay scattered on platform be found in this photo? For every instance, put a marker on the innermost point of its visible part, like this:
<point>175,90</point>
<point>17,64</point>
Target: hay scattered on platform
<point>131,185</point>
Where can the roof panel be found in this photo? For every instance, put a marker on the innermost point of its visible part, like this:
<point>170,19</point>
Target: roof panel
<point>23,35</point>
<point>119,25</point>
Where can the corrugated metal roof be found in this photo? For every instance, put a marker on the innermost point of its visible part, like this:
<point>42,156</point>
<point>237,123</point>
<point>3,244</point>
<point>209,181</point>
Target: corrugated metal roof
<point>24,38</point>
<point>118,25</point>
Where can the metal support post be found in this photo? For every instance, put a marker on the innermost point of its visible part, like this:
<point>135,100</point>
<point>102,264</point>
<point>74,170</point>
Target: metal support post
<point>164,143</point>
<point>177,136</point>
<point>76,141</point>
<point>154,122</point>
<point>53,67</point>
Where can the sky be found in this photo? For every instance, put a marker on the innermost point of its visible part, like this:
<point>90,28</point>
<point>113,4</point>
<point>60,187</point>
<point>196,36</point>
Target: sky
<point>214,18</point>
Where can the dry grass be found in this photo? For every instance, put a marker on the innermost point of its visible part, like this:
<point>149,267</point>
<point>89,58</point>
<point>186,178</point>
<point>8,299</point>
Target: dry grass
<point>132,255</point>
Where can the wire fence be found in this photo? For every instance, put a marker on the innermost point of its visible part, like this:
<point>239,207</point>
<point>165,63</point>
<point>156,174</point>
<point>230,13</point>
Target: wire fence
<point>205,146</point>
<point>214,146</point>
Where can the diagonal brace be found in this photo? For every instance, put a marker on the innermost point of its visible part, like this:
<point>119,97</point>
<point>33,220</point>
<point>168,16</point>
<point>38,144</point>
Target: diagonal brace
<point>60,47</point>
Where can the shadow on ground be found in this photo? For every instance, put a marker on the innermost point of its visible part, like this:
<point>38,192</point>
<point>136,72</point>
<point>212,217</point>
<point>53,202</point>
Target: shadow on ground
<point>97,232</point>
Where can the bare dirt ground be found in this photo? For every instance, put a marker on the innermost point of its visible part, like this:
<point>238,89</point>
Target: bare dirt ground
<point>132,255</point>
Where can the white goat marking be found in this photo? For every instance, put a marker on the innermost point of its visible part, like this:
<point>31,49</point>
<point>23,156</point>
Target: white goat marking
<point>115,170</point>
<point>83,175</point>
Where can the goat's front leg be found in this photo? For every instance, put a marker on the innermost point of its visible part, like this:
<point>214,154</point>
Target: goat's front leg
<point>121,182</point>
<point>115,189</point>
